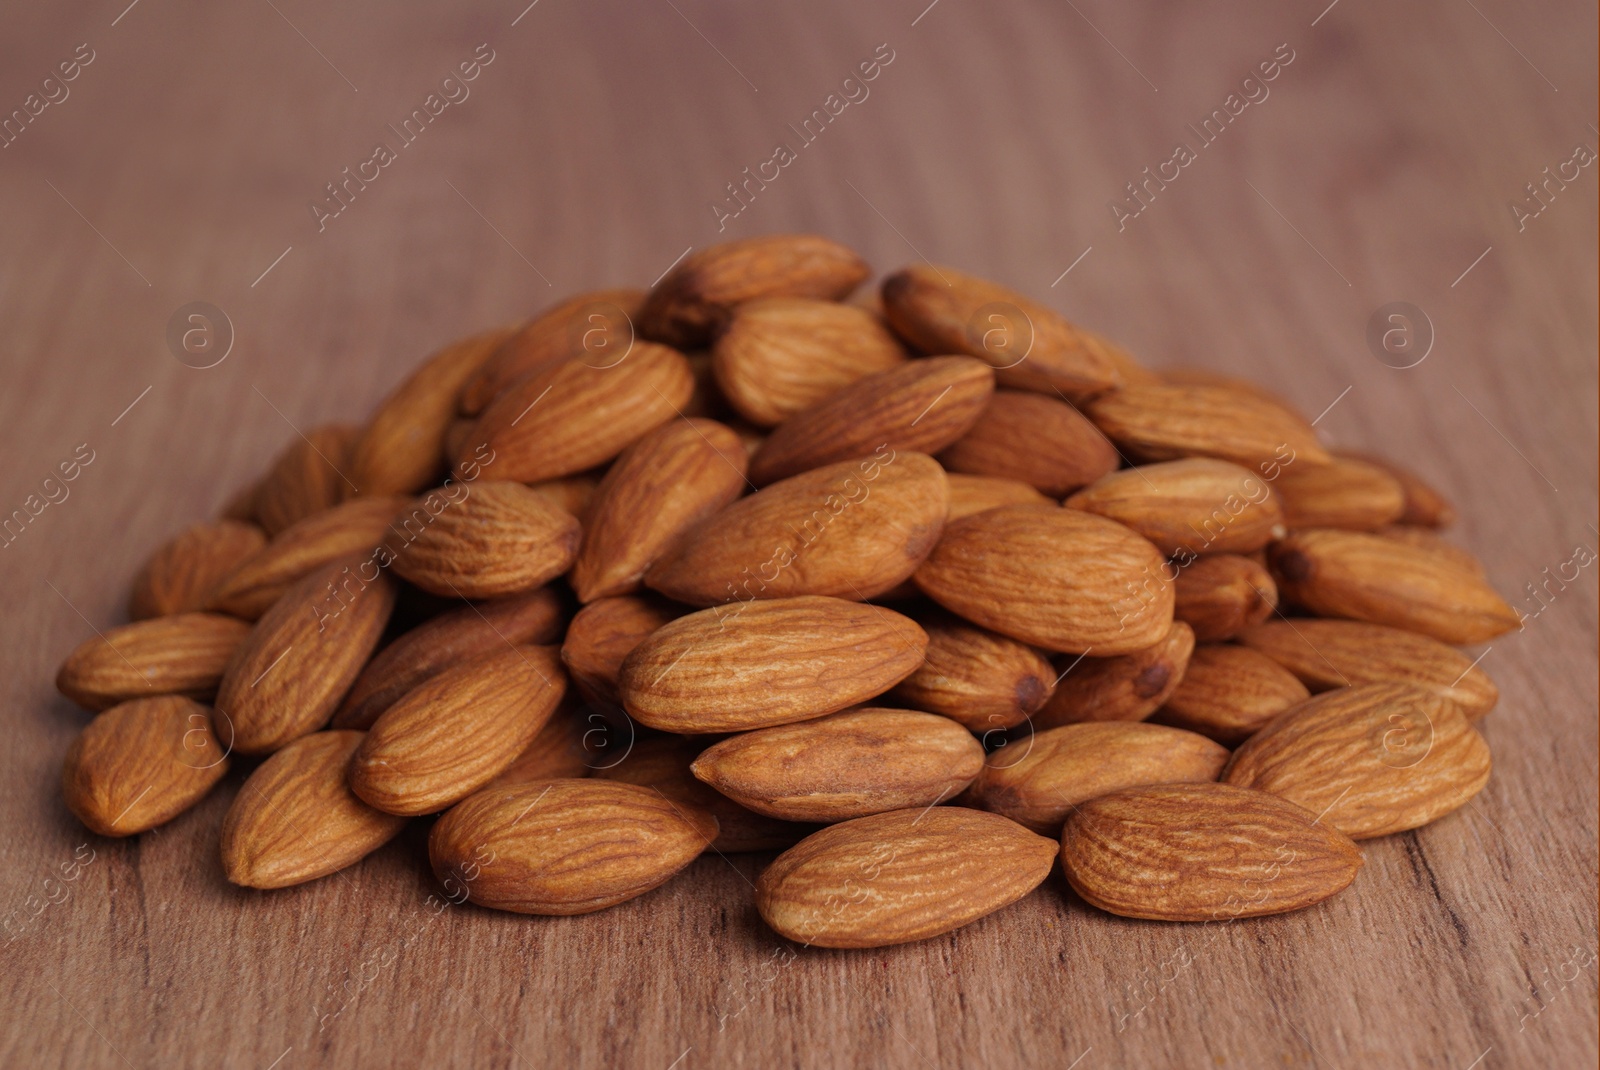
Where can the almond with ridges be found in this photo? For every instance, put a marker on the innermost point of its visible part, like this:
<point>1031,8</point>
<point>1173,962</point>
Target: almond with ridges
<point>141,764</point>
<point>982,679</point>
<point>1193,506</point>
<point>560,751</point>
<point>1424,506</point>
<point>1127,687</point>
<point>1039,440</point>
<point>1220,595</point>
<point>974,494</point>
<point>500,538</point>
<point>307,478</point>
<point>182,573</point>
<point>1431,541</point>
<point>1345,493</point>
<point>1162,422</point>
<point>1230,692</point>
<point>602,635</point>
<point>182,654</point>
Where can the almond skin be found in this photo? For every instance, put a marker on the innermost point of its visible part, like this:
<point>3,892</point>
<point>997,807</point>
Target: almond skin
<point>941,310</point>
<point>1194,506</point>
<point>564,846</point>
<point>1059,579</point>
<point>901,876</point>
<point>1372,759</point>
<point>537,617</point>
<point>500,539</point>
<point>1326,654</point>
<point>141,764</point>
<point>1424,506</point>
<point>1370,578</point>
<point>1038,440</point>
<point>287,677</point>
<point>851,530</point>
<point>602,635</point>
<point>979,678</point>
<point>1037,781</point>
<point>559,751</point>
<point>295,819</point>
<point>1164,422</point>
<point>457,731</point>
<point>1202,852</point>
<point>974,494</point>
<point>309,477</point>
<point>1345,493</point>
<point>661,486</point>
<point>922,406</point>
<point>699,295</point>
<point>767,663</point>
<point>1128,687</point>
<point>850,764</point>
<point>183,654</point>
<point>180,576</point>
<point>575,415</point>
<point>781,355</point>
<point>1229,692</point>
<point>1220,595</point>
<point>1431,541</point>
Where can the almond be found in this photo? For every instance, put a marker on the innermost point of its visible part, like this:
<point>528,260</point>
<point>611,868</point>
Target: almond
<point>923,405</point>
<point>564,846</point>
<point>941,310</point>
<point>659,488</point>
<point>500,538</point>
<point>1220,595</point>
<point>767,663</point>
<point>400,449</point>
<point>180,576</point>
<point>1191,376</point>
<point>974,676</point>
<point>1164,422</point>
<point>849,764</point>
<point>183,654</point>
<point>457,731</point>
<point>974,494</point>
<point>449,639</point>
<point>141,764</point>
<point>901,876</point>
<point>698,296</point>
<point>1229,692</point>
<point>1189,507</point>
<point>1345,493</point>
<point>780,355</point>
<point>571,493</point>
<point>560,751</point>
<point>1431,541</point>
<point>1370,578</point>
<point>1202,852</point>
<point>1038,440</point>
<point>241,505</point>
<point>1128,687</point>
<point>296,819</point>
<point>852,530</point>
<point>307,478</point>
<point>287,677</point>
<point>1056,578</point>
<point>1424,506</point>
<point>1372,759</point>
<point>1037,781</point>
<point>1326,654</point>
<point>602,635</point>
<point>575,415</point>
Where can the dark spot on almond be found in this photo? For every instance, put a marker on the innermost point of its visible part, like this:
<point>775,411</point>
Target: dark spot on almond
<point>1152,680</point>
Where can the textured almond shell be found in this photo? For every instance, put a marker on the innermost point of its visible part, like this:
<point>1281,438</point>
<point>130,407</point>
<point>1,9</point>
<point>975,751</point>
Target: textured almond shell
<point>1229,692</point>
<point>181,654</point>
<point>500,539</point>
<point>1039,440</point>
<point>141,764</point>
<point>1199,505</point>
<point>180,576</point>
<point>1127,687</point>
<point>1220,595</point>
<point>1165,422</point>
<point>982,679</point>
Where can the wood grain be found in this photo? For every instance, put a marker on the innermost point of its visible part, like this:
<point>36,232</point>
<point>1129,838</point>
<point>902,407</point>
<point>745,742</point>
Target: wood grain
<point>1380,168</point>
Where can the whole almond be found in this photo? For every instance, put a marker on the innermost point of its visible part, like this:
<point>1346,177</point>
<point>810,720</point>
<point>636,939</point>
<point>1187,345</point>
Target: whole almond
<point>182,654</point>
<point>781,355</point>
<point>1326,654</point>
<point>1220,595</point>
<point>767,663</point>
<point>1434,543</point>
<point>979,678</point>
<point>182,573</point>
<point>564,846</point>
<point>659,488</point>
<point>1038,440</point>
<point>1037,781</point>
<point>602,635</point>
<point>850,764</point>
<point>1059,579</point>
<point>1424,506</point>
<point>901,876</point>
<point>1202,852</point>
<point>941,310</point>
<point>296,819</point>
<point>457,731</point>
<point>922,405</point>
<point>698,296</point>
<point>560,751</point>
<point>974,494</point>
<point>307,478</point>
<point>1189,507</point>
<point>1165,422</point>
<point>1127,687</point>
<point>287,677</point>
<point>1345,493</point>
<point>1372,759</point>
<point>141,764</point>
<point>575,415</point>
<point>852,530</point>
<point>572,493</point>
<point>1371,578</point>
<point>1229,692</point>
<point>500,538</point>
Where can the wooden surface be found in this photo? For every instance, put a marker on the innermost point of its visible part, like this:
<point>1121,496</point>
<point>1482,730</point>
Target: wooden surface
<point>1380,168</point>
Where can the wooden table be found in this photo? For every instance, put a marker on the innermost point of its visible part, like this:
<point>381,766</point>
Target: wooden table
<point>1379,164</point>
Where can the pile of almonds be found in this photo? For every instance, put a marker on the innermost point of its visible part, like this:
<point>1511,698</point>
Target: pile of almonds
<point>925,590</point>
